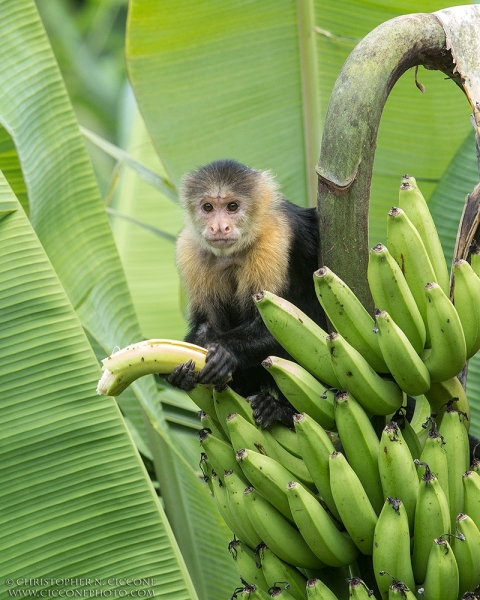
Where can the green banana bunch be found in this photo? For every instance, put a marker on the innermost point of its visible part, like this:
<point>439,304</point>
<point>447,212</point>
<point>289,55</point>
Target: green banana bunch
<point>246,565</point>
<point>330,545</point>
<point>355,509</point>
<point>467,302</point>
<point>411,200</point>
<point>405,365</point>
<point>316,446</point>
<point>360,443</point>
<point>407,248</point>
<point>121,368</point>
<point>391,293</point>
<point>441,579</point>
<point>348,315</point>
<point>236,507</point>
<point>447,354</point>
<point>317,590</point>
<point>466,547</point>
<point>302,390</point>
<point>397,472</point>
<point>285,437</point>
<point>391,548</point>
<point>432,519</point>
<point>377,395</point>
<point>275,569</point>
<point>278,533</point>
<point>301,337</point>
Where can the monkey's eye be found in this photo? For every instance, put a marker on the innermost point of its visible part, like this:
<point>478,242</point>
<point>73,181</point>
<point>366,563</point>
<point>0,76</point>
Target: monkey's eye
<point>232,206</point>
<point>207,207</point>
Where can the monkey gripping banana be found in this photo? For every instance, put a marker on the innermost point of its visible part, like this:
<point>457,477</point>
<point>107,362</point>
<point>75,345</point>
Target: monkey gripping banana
<point>121,368</point>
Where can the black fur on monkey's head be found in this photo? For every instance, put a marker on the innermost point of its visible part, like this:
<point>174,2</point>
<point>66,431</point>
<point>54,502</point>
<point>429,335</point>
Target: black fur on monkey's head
<point>223,177</point>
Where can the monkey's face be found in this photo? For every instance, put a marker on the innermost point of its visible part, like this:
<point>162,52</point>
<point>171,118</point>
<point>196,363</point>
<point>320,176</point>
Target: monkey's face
<point>220,221</point>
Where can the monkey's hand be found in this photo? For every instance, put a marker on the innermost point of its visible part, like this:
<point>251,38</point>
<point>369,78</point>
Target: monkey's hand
<point>183,376</point>
<point>219,367</point>
<point>267,410</point>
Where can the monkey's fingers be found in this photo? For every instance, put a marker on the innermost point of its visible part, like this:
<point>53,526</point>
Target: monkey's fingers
<point>219,367</point>
<point>267,410</point>
<point>183,376</point>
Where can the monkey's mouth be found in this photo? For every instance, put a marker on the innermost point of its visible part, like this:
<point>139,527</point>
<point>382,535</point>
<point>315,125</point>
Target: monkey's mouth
<point>221,242</point>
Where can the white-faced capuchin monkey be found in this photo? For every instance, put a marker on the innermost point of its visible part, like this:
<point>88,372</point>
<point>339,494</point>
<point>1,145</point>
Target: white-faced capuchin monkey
<point>242,236</point>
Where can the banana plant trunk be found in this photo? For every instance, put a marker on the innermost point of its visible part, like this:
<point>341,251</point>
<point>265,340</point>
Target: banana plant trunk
<point>445,41</point>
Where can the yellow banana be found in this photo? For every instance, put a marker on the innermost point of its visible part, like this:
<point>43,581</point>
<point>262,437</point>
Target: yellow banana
<point>302,390</point>
<point>246,565</point>
<point>391,293</point>
<point>121,368</point>
<point>377,395</point>
<point>411,200</point>
<point>301,337</point>
<point>403,362</point>
<point>391,548</point>
<point>317,528</point>
<point>348,316</point>
<point>446,356</point>
<point>441,580</point>
<point>281,537</point>
<point>275,569</point>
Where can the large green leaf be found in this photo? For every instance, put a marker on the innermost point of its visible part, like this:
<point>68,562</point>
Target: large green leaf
<point>68,215</point>
<point>75,499</point>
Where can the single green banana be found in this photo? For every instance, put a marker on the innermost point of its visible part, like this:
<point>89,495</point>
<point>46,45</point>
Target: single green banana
<point>245,435</point>
<point>246,565</point>
<point>442,392</point>
<point>228,401</point>
<point>397,472</point>
<point>407,248</point>
<point>202,396</point>
<point>268,477</point>
<point>348,316</point>
<point>432,519</point>
<point>352,502</point>
<point>405,365</point>
<point>441,579</point>
<point>377,395</point>
<point>390,292</point>
<point>466,547</point>
<point>316,446</point>
<point>330,545</point>
<point>302,390</point>
<point>317,590</point>
<point>275,569</point>
<point>252,592</point>
<point>220,454</point>
<point>211,424</point>
<point>206,469</point>
<point>420,415</point>
<point>411,438</point>
<point>301,337</point>
<point>411,200</point>
<point>220,496</point>
<point>446,356</point>
<point>360,443</point>
<point>281,537</point>
<point>399,591</point>
<point>391,547</point>
<point>457,449</point>
<point>471,487</point>
<point>236,505</point>
<point>358,589</point>
<point>286,437</point>
<point>435,455</point>
<point>466,298</point>
<point>121,368</point>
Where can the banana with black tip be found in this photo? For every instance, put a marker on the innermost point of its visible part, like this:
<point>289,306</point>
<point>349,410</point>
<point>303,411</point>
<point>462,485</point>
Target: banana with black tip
<point>246,565</point>
<point>466,547</point>
<point>275,569</point>
<point>358,589</point>
<point>317,590</point>
<point>441,580</point>
<point>220,454</point>
<point>227,401</point>
<point>441,392</point>
<point>236,506</point>
<point>435,455</point>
